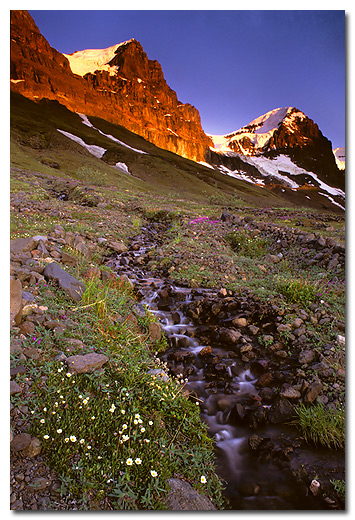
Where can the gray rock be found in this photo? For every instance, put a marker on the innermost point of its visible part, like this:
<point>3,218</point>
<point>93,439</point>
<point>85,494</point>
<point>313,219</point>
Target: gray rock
<point>22,245</point>
<point>33,449</point>
<point>81,364</point>
<point>68,283</point>
<point>14,388</point>
<point>306,356</point>
<point>20,442</point>
<point>155,333</point>
<point>273,259</point>
<point>40,483</point>
<point>119,247</point>
<point>68,259</point>
<point>15,300</point>
<point>291,393</point>
<point>313,392</point>
<point>183,497</point>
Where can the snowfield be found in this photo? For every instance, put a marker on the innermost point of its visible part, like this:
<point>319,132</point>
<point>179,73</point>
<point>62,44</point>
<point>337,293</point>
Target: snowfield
<point>90,60</point>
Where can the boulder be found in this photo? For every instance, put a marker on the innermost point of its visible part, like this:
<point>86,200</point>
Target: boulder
<point>81,364</point>
<point>183,497</point>
<point>70,285</point>
<point>68,259</point>
<point>313,392</point>
<point>20,442</point>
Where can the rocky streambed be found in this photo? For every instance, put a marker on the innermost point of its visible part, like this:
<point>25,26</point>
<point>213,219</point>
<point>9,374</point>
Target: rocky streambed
<point>247,369</point>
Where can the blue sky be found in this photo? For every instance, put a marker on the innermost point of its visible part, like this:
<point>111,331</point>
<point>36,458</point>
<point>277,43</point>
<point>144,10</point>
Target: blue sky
<point>233,66</point>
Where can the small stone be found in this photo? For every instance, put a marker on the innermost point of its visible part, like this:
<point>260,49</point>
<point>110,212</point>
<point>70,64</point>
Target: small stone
<point>119,247</point>
<point>27,327</point>
<point>68,259</point>
<point>341,340</point>
<point>313,392</point>
<point>40,483</point>
<point>306,356</point>
<point>14,388</point>
<point>206,351</point>
<point>15,300</point>
<point>240,322</point>
<point>290,393</point>
<point>314,487</point>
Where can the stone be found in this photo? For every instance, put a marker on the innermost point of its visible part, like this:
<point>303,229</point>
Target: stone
<point>155,332</point>
<point>306,356</point>
<point>92,272</point>
<point>20,442</point>
<point>40,483</point>
<point>284,329</point>
<point>313,392</point>
<point>314,487</point>
<point>14,388</point>
<point>71,344</point>
<point>341,340</point>
<point>118,247</point>
<point>297,322</point>
<point>81,364</point>
<point>273,259</point>
<point>22,245</point>
<point>107,276</point>
<point>68,259</point>
<point>83,249</point>
<point>230,335</point>
<point>33,449</point>
<point>32,353</point>
<point>126,281</point>
<point>27,327</point>
<point>15,300</point>
<point>239,322</point>
<point>27,297</point>
<point>70,285</point>
<point>206,351</point>
<point>291,393</point>
<point>253,329</point>
<point>183,497</point>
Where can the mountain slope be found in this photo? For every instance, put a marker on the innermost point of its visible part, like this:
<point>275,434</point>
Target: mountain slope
<point>121,85</point>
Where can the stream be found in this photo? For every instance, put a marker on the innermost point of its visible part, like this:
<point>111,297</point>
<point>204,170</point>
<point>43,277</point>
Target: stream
<point>261,461</point>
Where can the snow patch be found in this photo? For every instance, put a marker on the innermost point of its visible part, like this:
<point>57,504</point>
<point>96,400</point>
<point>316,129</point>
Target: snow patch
<point>98,151</point>
<point>206,164</point>
<point>122,167</point>
<point>332,200</point>
<point>237,174</point>
<point>109,136</point>
<point>90,60</point>
<point>16,80</point>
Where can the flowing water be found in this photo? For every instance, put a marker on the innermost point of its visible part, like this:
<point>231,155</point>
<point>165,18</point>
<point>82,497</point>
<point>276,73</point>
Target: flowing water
<point>251,483</point>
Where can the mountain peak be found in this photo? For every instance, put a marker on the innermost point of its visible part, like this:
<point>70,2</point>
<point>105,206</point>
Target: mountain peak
<point>92,60</point>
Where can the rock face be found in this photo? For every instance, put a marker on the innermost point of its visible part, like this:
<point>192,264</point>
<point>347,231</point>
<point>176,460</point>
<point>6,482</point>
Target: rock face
<point>135,95</point>
<point>68,283</point>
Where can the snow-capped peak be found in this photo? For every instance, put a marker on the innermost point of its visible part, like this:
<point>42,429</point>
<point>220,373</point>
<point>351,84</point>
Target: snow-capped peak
<point>90,60</point>
<point>257,133</point>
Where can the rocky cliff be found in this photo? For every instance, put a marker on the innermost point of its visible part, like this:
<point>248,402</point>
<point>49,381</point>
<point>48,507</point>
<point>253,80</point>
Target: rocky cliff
<point>135,95</point>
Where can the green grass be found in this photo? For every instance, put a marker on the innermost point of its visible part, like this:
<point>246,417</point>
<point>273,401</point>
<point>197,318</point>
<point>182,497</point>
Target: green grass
<point>321,425</point>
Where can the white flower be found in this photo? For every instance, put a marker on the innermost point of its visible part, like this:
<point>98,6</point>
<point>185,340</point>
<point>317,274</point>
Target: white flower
<point>150,423</point>
<point>85,401</point>
<point>59,430</point>
<point>72,438</point>
<point>142,429</point>
<point>123,412</point>
<point>80,396</point>
<point>138,461</point>
<point>153,473</point>
<point>129,462</point>
<point>135,421</point>
<point>203,479</point>
<point>137,416</point>
<point>93,417</point>
<point>66,439</point>
<point>124,427</point>
<point>44,409</point>
<point>45,436</point>
<point>82,441</point>
<point>42,421</point>
<point>68,374</point>
<point>89,447</point>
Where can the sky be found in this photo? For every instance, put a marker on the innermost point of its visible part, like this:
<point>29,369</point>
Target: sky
<point>232,65</point>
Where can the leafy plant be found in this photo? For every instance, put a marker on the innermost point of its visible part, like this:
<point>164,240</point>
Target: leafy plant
<point>297,290</point>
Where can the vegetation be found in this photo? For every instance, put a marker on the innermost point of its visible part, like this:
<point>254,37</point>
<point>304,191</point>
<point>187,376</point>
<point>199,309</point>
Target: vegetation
<point>322,425</point>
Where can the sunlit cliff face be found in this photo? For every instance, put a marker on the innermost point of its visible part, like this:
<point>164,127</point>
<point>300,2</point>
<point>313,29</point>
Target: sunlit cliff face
<point>119,84</point>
